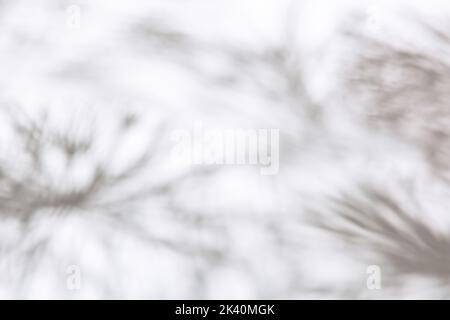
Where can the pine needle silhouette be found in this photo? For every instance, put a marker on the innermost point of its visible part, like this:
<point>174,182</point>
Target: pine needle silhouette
<point>377,223</point>
<point>404,87</point>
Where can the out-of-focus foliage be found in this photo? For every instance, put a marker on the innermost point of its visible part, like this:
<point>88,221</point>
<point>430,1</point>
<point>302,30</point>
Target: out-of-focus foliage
<point>87,179</point>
